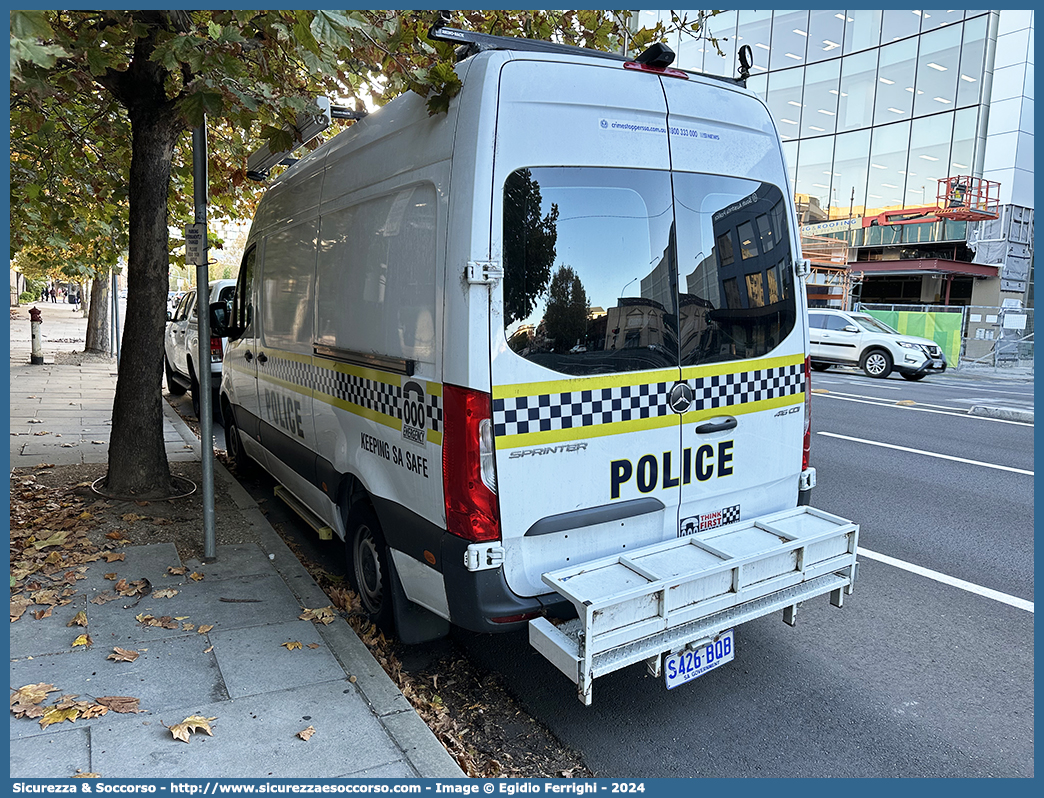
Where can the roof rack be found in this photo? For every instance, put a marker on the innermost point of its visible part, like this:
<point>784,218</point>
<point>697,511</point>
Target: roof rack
<point>656,56</point>
<point>260,163</point>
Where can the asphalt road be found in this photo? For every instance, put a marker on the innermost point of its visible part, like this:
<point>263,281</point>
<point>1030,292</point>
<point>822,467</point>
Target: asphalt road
<point>919,675</point>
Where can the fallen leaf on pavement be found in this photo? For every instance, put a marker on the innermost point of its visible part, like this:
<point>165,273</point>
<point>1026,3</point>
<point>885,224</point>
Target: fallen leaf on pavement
<point>44,597</point>
<point>119,703</point>
<point>196,577</point>
<point>208,649</point>
<point>111,577</point>
<point>313,645</point>
<point>41,614</point>
<point>161,521</point>
<point>290,646</point>
<point>167,592</point>
<point>104,596</point>
<point>56,715</point>
<point>112,556</point>
<point>57,539</point>
<point>79,619</point>
<point>24,699</point>
<point>181,731</point>
<point>83,640</point>
<point>323,615</point>
<point>188,627</point>
<point>204,628</point>
<point>19,604</point>
<point>87,776</point>
<point>305,734</point>
<point>123,655</point>
<point>180,571</point>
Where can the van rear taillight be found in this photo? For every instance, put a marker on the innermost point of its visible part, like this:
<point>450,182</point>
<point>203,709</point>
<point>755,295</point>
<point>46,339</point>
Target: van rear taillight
<point>806,446</point>
<point>468,475</point>
<point>215,350</point>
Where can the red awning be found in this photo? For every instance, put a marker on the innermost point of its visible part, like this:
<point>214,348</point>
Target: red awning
<point>923,266</point>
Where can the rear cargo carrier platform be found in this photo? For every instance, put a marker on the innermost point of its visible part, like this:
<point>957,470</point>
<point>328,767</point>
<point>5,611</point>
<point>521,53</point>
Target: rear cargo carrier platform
<point>637,606</point>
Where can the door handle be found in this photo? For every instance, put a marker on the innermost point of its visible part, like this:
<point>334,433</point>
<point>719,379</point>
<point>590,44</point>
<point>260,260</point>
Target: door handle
<point>248,356</point>
<point>716,426</point>
<point>261,358</point>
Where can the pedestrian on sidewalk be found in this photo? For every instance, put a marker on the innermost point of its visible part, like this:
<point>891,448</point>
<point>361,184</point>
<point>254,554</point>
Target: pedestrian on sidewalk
<point>54,294</point>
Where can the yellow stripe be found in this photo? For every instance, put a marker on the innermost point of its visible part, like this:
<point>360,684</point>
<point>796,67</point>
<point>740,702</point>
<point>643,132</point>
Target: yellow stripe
<point>358,410</point>
<point>741,366</point>
<point>593,431</point>
<point>744,408</point>
<point>293,387</point>
<point>359,371</point>
<point>638,425</point>
<point>594,383</point>
<point>600,381</point>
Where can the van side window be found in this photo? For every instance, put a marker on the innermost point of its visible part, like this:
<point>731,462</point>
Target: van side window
<point>287,277</point>
<point>243,298</point>
<point>375,275</point>
<point>815,320</point>
<point>184,306</point>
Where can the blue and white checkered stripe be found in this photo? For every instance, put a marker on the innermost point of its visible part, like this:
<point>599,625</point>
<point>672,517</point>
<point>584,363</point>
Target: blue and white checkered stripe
<point>550,412</point>
<point>374,395</point>
<point>725,390</point>
<point>577,409</point>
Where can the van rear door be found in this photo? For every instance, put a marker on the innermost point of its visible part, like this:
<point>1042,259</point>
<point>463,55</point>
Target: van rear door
<point>584,331</point>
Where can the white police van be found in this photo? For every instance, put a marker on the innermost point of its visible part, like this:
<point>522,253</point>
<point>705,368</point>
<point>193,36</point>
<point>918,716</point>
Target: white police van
<point>542,359</point>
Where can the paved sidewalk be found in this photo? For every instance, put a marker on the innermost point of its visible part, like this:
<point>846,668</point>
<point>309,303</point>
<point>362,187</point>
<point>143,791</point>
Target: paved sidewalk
<point>260,692</point>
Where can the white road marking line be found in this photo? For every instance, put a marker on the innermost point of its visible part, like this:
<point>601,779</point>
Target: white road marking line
<point>891,402</point>
<point>996,595</point>
<point>888,403</point>
<point>816,381</point>
<point>929,454</point>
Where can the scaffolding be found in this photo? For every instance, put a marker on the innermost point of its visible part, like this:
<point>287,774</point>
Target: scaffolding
<point>829,282</point>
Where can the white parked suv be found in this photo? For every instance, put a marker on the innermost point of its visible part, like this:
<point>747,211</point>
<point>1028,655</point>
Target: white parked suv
<point>848,338</point>
<point>181,348</point>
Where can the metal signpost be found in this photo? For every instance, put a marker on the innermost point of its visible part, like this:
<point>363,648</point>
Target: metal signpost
<point>196,252</point>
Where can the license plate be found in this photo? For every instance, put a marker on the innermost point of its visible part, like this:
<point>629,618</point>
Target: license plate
<point>687,665</point>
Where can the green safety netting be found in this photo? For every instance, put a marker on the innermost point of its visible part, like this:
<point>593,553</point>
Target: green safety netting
<point>943,328</point>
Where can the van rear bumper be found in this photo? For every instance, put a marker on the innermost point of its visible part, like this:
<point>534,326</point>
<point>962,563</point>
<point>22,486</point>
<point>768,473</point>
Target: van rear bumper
<point>477,597</point>
<point>685,592</point>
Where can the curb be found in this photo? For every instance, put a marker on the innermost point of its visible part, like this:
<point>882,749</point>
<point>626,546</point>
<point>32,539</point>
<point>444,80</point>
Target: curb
<point>1003,413</point>
<point>421,748</point>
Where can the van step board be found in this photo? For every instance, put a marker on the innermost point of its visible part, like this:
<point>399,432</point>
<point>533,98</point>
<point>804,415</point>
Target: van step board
<point>310,518</point>
<point>657,599</point>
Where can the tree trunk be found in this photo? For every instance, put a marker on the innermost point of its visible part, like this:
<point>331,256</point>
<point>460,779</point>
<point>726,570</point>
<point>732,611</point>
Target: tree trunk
<point>98,316</point>
<point>137,459</point>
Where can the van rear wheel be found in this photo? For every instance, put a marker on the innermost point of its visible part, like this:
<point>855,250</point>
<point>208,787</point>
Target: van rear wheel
<point>368,565</point>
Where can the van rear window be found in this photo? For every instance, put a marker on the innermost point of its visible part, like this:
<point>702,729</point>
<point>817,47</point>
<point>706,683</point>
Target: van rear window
<point>616,270</point>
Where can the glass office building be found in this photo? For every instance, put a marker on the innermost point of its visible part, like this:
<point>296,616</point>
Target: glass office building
<point>874,108</point>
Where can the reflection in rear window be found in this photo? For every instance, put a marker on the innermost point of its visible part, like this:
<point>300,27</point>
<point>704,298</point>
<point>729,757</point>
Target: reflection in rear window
<point>609,270</point>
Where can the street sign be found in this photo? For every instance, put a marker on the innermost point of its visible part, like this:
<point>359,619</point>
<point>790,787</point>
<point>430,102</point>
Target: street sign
<point>195,244</point>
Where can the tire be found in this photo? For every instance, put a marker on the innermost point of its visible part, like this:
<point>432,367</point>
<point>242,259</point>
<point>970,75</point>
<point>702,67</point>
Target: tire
<point>914,377</point>
<point>876,363</point>
<point>820,366</point>
<point>174,388</point>
<point>240,460</point>
<point>367,557</point>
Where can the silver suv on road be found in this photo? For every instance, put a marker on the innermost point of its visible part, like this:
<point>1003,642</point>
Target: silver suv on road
<point>848,338</point>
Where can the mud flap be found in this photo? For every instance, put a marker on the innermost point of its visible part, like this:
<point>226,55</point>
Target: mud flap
<point>413,623</point>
